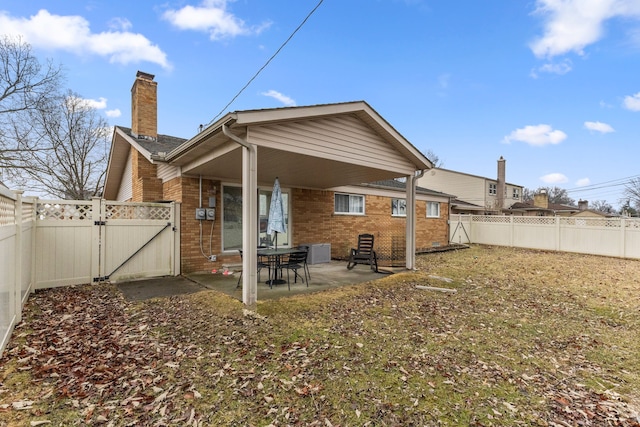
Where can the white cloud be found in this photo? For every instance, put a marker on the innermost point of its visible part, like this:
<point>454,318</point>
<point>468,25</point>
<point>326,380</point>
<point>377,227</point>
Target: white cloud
<point>554,178</point>
<point>572,25</point>
<point>99,104</point>
<point>559,68</point>
<point>632,102</point>
<point>289,102</point>
<point>113,113</point>
<point>599,127</point>
<point>582,182</point>
<point>120,24</point>
<point>212,17</point>
<point>538,135</point>
<point>72,34</point>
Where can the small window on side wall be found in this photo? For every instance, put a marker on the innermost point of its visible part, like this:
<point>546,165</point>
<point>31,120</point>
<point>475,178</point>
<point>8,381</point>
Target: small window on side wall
<point>433,210</point>
<point>349,204</point>
<point>398,207</point>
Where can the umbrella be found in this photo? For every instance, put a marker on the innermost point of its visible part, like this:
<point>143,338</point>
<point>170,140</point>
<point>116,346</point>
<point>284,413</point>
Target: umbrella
<point>276,212</point>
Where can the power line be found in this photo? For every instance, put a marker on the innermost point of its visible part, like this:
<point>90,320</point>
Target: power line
<point>266,63</point>
<point>612,183</point>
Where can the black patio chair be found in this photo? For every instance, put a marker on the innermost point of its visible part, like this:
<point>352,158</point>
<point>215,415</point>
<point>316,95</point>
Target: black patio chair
<point>364,253</point>
<point>296,261</point>
<point>306,260</point>
<point>261,264</point>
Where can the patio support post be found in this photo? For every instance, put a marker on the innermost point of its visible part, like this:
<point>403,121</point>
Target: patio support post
<point>411,223</point>
<point>249,219</point>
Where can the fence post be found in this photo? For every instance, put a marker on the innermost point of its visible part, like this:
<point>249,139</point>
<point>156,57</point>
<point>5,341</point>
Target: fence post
<point>623,237</point>
<point>177,229</point>
<point>17,288</point>
<point>511,231</point>
<point>557,218</point>
<point>96,217</point>
<point>34,230</point>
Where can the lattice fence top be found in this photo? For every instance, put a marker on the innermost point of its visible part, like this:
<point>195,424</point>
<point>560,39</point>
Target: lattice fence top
<point>27,212</point>
<point>592,222</point>
<point>64,211</point>
<point>142,211</point>
<point>534,220</point>
<point>7,211</point>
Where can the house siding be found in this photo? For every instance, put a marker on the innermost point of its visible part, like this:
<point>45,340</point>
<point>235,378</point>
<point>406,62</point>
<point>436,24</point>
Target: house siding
<point>125,191</point>
<point>344,138</point>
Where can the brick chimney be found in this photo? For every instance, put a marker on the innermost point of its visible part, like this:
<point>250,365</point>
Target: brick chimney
<point>501,187</point>
<point>583,205</point>
<point>144,106</point>
<point>541,200</point>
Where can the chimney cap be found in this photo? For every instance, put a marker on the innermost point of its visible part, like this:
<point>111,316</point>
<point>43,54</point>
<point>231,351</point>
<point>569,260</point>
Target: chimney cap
<point>144,75</point>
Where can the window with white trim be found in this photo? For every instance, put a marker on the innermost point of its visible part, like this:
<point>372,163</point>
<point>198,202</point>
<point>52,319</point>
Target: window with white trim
<point>398,207</point>
<point>493,188</point>
<point>433,209</point>
<point>349,204</point>
<point>516,193</point>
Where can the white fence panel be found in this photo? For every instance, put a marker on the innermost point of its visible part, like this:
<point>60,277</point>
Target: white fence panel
<point>631,245</point>
<point>9,309</point>
<point>495,230</point>
<point>140,235</point>
<point>616,237</point>
<point>534,232</point>
<point>598,236</point>
<point>66,251</point>
<point>27,252</point>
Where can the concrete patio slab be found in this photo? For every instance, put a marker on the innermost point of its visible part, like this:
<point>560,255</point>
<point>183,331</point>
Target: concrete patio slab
<point>323,276</point>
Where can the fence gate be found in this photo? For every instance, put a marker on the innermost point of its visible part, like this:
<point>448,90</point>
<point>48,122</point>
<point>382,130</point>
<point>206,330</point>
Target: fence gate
<point>89,241</point>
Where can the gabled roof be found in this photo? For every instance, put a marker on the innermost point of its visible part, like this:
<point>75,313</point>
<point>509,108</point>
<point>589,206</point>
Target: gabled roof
<point>318,146</point>
<point>463,205</point>
<point>552,207</point>
<point>402,185</point>
<point>476,176</point>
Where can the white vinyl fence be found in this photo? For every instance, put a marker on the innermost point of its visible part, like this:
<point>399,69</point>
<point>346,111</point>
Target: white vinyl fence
<point>48,243</point>
<point>17,233</point>
<point>615,237</point>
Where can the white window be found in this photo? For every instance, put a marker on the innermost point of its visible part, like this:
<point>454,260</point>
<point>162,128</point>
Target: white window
<point>433,210</point>
<point>398,207</point>
<point>349,204</point>
<point>516,193</point>
<point>493,188</point>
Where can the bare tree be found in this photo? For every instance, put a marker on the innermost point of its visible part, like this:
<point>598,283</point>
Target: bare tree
<point>71,142</point>
<point>556,195</point>
<point>601,206</point>
<point>25,86</point>
<point>632,193</point>
<point>434,158</point>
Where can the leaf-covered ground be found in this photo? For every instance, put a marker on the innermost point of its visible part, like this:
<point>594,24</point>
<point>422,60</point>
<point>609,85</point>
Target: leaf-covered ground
<point>528,338</point>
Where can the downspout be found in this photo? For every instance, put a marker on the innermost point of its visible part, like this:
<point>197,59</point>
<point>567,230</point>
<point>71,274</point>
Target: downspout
<point>411,221</point>
<point>249,219</point>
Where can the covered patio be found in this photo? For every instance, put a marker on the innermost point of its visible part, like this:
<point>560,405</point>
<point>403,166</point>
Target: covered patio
<point>314,148</point>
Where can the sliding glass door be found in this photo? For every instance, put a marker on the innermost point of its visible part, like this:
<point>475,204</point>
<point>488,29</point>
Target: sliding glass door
<point>232,218</point>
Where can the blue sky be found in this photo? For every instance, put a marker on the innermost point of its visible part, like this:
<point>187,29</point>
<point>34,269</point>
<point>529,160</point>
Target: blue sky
<point>550,85</point>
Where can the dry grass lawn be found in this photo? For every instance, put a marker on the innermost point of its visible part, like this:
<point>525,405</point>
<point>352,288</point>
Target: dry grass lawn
<point>528,338</point>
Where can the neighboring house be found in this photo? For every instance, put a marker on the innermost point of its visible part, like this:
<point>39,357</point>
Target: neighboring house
<point>321,155</point>
<point>584,211</point>
<point>540,206</point>
<point>475,194</point>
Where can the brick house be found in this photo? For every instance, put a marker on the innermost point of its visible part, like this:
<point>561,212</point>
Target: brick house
<point>342,168</point>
